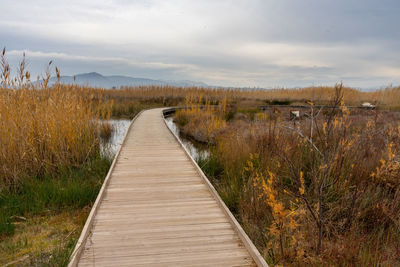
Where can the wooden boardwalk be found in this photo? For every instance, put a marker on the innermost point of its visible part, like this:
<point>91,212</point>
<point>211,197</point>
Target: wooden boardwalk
<point>156,208</point>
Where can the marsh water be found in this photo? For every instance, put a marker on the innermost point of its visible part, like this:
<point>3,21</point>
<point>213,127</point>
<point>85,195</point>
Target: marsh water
<point>110,147</point>
<point>195,150</point>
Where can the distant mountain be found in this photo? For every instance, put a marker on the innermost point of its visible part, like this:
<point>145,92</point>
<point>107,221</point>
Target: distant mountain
<point>187,83</point>
<point>95,79</point>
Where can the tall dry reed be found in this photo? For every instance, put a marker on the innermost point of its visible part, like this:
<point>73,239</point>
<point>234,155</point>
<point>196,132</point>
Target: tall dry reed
<point>320,190</point>
<point>41,130</point>
<point>201,118</point>
<point>44,128</point>
<point>171,96</point>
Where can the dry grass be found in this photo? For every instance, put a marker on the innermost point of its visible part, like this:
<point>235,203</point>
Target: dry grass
<point>106,130</point>
<point>41,130</point>
<point>201,120</point>
<point>50,166</point>
<point>323,190</point>
<point>172,96</point>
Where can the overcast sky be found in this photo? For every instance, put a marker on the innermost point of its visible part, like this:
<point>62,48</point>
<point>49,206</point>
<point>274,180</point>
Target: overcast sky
<point>265,43</point>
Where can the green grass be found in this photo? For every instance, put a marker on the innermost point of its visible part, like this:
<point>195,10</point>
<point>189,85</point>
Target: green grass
<point>6,226</point>
<point>59,255</point>
<point>72,188</point>
<point>211,165</point>
<point>228,183</point>
<point>41,217</point>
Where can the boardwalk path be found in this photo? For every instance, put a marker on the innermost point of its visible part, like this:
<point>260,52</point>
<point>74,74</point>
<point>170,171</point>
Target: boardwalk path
<point>156,209</point>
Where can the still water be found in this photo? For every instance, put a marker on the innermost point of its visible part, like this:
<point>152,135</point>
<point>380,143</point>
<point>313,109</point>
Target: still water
<point>195,151</point>
<point>111,146</point>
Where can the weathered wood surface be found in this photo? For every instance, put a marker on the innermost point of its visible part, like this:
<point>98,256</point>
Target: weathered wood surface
<point>156,209</point>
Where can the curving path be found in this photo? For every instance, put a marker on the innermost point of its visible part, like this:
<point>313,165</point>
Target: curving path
<point>157,209</point>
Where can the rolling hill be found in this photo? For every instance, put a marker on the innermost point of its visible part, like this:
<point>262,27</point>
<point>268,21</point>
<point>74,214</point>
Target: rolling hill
<point>95,79</point>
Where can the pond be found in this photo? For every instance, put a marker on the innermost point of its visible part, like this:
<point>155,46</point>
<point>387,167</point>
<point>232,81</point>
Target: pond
<point>110,147</point>
<point>196,151</point>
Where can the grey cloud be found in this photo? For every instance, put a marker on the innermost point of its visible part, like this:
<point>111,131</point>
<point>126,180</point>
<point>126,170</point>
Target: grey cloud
<point>242,43</point>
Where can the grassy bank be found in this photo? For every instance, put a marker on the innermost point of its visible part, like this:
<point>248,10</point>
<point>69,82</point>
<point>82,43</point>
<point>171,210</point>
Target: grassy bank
<point>322,190</point>
<point>43,217</point>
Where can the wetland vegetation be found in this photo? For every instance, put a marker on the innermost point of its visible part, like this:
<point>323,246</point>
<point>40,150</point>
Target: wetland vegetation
<point>320,190</point>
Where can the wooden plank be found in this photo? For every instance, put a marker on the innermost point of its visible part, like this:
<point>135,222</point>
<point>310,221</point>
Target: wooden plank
<point>155,209</point>
<point>171,203</point>
<point>226,258</point>
<point>186,241</point>
<point>159,188</point>
<point>156,249</point>
<point>89,221</point>
<point>205,261</point>
<point>123,234</point>
<point>142,218</point>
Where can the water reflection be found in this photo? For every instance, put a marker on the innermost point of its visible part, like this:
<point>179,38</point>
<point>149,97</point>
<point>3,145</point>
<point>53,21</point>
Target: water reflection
<point>110,147</point>
<point>194,151</point>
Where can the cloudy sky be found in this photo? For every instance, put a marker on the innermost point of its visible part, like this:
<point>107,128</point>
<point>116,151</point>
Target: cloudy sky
<point>261,43</point>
